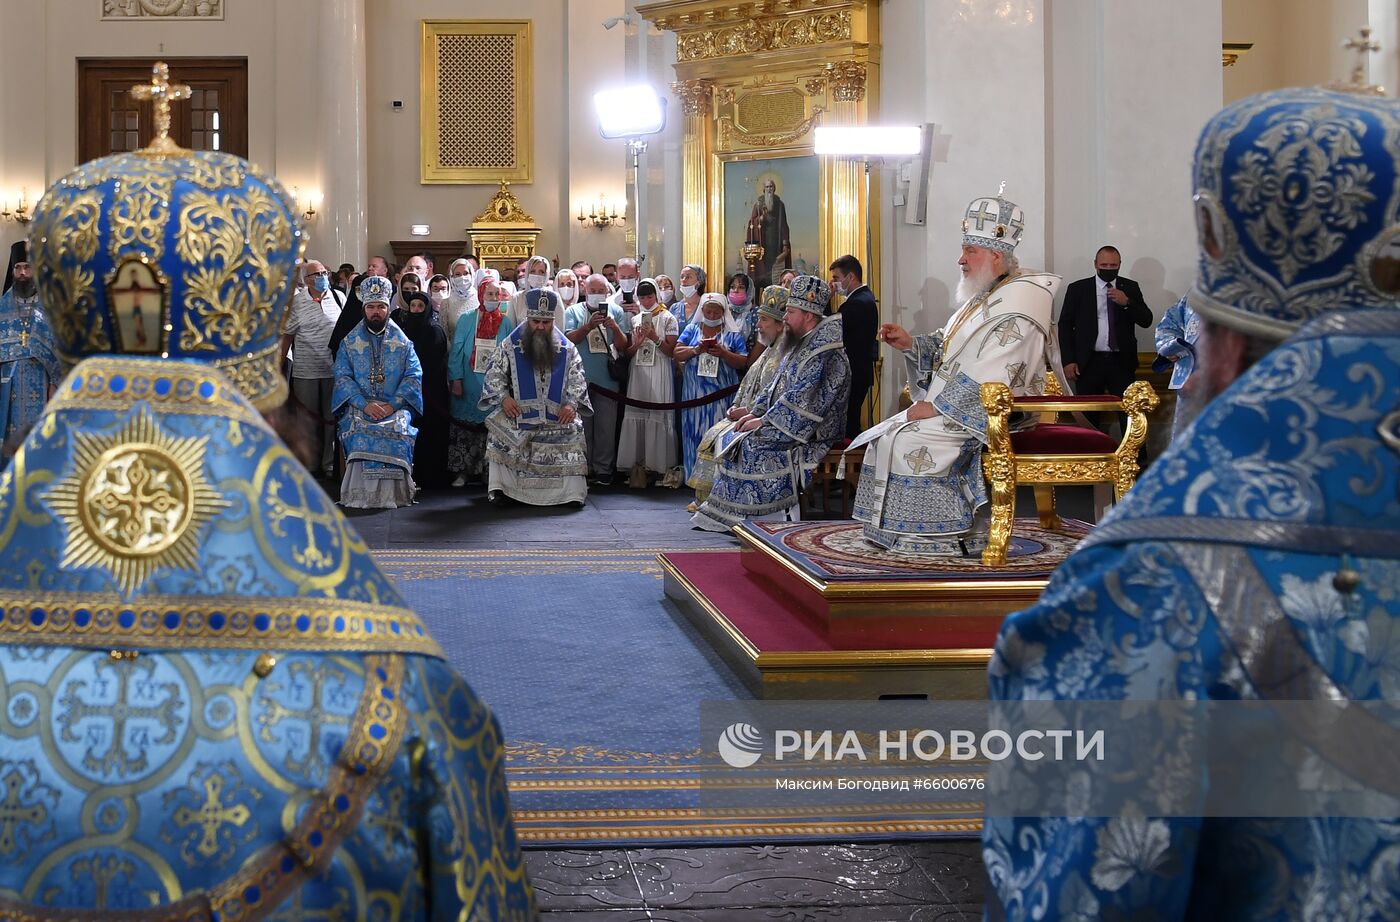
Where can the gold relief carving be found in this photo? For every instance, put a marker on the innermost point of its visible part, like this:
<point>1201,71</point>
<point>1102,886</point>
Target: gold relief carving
<point>725,96</point>
<point>230,285</point>
<point>695,95</point>
<point>1066,471</point>
<point>729,133</point>
<point>753,36</point>
<point>504,208</point>
<point>769,111</point>
<point>134,501</point>
<point>846,79</point>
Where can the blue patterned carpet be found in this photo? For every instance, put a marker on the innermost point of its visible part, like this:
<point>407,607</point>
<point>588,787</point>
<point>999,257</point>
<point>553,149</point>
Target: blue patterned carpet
<point>597,682</point>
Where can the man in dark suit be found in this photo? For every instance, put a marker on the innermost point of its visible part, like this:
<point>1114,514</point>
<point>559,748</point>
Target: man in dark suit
<point>860,320</point>
<point>1098,339</point>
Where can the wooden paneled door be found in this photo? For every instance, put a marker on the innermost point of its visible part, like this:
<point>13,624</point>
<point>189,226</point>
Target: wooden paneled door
<point>214,118</point>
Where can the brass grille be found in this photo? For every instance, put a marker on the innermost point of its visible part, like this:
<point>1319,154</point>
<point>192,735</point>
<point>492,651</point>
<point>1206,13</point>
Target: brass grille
<point>476,74</point>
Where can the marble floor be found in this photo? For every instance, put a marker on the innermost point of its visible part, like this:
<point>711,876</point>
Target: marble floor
<point>926,881</point>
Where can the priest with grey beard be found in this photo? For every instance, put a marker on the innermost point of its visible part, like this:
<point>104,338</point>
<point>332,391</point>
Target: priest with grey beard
<point>29,369</point>
<point>535,395</point>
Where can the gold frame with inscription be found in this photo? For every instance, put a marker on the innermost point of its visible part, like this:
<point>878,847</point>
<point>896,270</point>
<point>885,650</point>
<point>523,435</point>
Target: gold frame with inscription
<point>754,82</point>
<point>825,53</point>
<point>431,170</point>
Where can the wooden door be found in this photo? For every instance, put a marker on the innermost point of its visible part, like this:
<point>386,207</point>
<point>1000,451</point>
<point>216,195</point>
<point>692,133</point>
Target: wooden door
<point>214,118</point>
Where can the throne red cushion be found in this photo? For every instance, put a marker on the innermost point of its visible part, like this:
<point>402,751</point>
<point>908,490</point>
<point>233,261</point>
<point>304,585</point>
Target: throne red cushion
<point>1057,439</point>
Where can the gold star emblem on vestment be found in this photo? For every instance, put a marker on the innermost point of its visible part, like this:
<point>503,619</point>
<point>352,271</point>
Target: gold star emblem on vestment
<point>135,500</point>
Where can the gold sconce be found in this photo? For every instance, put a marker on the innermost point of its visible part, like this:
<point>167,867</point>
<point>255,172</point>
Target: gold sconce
<point>20,213</point>
<point>599,215</point>
<point>307,204</point>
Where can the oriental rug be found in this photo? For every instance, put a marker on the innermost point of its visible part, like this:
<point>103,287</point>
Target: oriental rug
<point>597,681</point>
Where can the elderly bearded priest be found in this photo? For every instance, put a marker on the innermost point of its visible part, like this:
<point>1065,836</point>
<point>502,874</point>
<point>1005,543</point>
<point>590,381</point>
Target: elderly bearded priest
<point>216,705</point>
<point>535,395</point>
<point>770,454</point>
<point>921,484</point>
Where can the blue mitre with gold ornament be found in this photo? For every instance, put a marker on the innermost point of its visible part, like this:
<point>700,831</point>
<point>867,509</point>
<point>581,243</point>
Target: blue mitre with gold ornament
<point>170,253</point>
<point>1297,208</point>
<point>152,505</point>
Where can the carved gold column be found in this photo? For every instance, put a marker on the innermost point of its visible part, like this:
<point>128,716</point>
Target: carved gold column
<point>697,103</point>
<point>845,180</point>
<point>754,80</point>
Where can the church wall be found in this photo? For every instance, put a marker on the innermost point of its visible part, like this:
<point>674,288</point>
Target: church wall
<point>571,162</point>
<point>1063,100</point>
<point>1296,42</point>
<point>39,75</point>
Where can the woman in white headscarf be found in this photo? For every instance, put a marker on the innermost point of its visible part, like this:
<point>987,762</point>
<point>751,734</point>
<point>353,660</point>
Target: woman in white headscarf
<point>648,442</point>
<point>537,275</point>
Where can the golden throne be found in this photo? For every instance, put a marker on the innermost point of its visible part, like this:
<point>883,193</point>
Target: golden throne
<point>1050,454</point>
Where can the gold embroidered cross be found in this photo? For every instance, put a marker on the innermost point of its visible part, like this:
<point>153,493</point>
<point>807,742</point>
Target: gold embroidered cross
<point>211,815</point>
<point>163,93</point>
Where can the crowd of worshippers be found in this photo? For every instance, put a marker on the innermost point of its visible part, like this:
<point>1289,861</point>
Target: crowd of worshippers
<point>542,385</point>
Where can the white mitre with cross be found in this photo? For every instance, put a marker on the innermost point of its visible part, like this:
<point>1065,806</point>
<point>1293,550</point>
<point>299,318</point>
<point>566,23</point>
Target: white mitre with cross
<point>993,223</point>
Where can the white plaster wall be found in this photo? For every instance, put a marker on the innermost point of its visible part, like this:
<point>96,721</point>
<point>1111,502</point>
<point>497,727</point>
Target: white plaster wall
<point>596,60</point>
<point>1385,26</point>
<point>39,73</point>
<point>1296,42</point>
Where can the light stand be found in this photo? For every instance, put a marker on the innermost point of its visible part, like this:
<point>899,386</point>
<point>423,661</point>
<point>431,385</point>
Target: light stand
<point>632,114</point>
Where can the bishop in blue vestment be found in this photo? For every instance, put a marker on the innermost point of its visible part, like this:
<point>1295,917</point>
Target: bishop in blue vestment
<point>377,398</point>
<point>213,704</point>
<point>1259,558</point>
<point>766,459</point>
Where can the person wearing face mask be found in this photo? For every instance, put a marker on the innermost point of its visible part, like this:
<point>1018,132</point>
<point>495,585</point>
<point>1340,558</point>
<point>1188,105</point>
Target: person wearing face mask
<point>693,280</point>
<point>860,321</point>
<point>378,393</point>
<point>741,315</point>
<point>316,307</point>
<point>479,333</point>
<point>461,296</point>
<point>1098,328</point>
<point>537,277</point>
<point>629,276</point>
<point>666,291</point>
<point>430,345</point>
<point>647,445</point>
<point>600,331</point>
<point>710,356</point>
<point>566,287</point>
<point>29,368</point>
<point>409,282</point>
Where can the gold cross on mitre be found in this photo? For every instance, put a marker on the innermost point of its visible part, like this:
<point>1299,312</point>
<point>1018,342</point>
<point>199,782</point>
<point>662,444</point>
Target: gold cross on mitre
<point>163,92</point>
<point>1363,46</point>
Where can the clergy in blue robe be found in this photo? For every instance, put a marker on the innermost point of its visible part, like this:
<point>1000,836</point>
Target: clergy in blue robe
<point>29,369</point>
<point>769,456</point>
<point>1258,559</point>
<point>535,398</point>
<point>378,396</point>
<point>215,705</point>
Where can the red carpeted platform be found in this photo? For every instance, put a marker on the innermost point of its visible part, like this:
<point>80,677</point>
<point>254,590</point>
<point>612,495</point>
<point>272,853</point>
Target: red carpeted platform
<point>808,610</point>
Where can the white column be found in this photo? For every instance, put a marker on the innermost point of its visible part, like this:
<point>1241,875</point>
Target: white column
<point>596,60</point>
<point>1384,18</point>
<point>1122,140</point>
<point>343,225</point>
